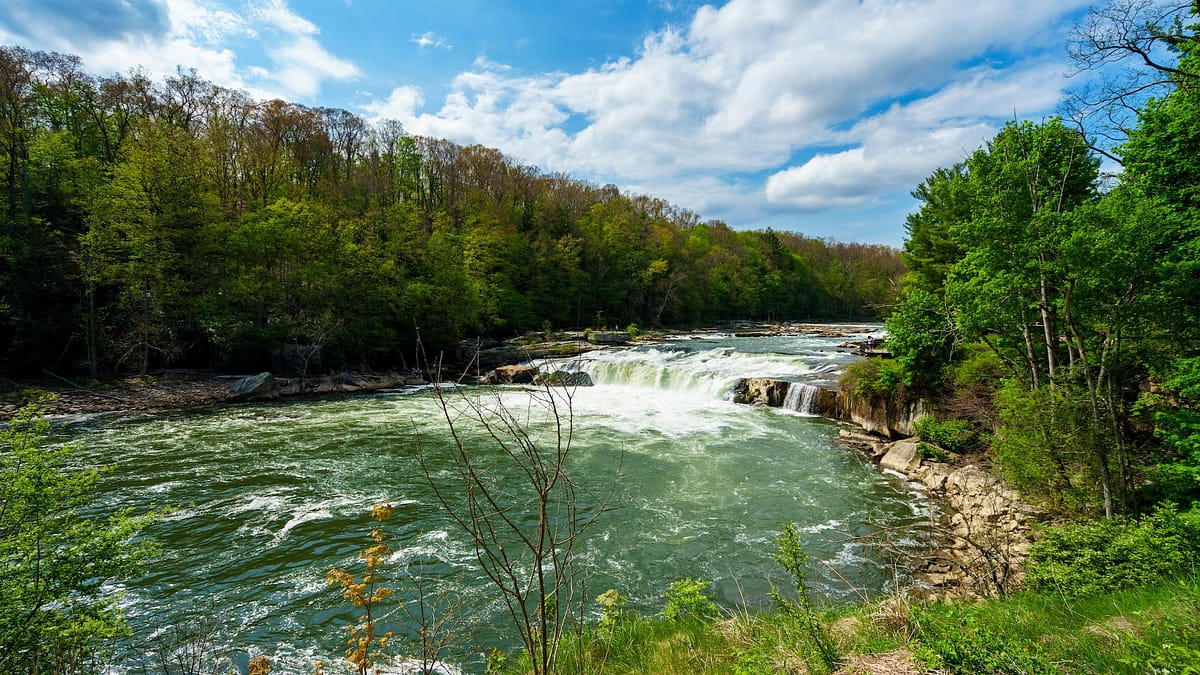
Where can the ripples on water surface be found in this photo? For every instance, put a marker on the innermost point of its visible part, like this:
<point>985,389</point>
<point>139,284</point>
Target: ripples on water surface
<point>267,498</point>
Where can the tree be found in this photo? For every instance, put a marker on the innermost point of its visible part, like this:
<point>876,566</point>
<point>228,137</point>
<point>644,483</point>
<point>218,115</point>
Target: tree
<point>930,249</point>
<point>55,613</point>
<point>1006,285</point>
<point>1135,46</point>
<point>524,532</point>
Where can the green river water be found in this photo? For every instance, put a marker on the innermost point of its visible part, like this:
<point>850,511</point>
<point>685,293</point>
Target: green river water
<point>266,498</point>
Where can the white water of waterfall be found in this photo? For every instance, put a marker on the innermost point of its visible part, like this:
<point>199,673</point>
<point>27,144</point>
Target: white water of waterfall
<point>800,398</point>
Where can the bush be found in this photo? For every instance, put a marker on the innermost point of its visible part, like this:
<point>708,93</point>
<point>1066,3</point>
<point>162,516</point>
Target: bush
<point>1046,447</point>
<point>57,554</point>
<point>875,379</point>
<point>952,435</point>
<point>1085,558</point>
<point>687,599</point>
<point>979,367</point>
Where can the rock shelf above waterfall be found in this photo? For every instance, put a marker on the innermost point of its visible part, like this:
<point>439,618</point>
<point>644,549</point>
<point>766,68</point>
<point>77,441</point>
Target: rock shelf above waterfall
<point>888,418</point>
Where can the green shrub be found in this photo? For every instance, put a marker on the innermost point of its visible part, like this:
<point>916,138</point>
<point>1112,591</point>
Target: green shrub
<point>1084,558</point>
<point>1046,446</point>
<point>930,451</point>
<point>612,605</point>
<point>687,599</point>
<point>953,643</point>
<point>979,367</point>
<point>952,435</point>
<point>875,379</point>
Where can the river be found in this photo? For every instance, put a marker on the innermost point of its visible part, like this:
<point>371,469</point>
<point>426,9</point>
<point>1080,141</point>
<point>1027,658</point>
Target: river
<point>266,498</point>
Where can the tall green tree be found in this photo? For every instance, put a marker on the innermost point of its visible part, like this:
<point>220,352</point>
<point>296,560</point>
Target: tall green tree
<point>930,249</point>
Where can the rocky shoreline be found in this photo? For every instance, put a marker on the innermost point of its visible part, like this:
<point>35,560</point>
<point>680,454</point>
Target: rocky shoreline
<point>983,532</point>
<point>182,389</point>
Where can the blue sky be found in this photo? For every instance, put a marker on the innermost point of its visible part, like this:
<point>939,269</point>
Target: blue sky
<point>818,116</point>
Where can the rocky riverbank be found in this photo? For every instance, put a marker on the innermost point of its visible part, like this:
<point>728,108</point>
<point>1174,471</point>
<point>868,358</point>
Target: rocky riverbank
<point>984,528</point>
<point>983,531</point>
<point>177,390</point>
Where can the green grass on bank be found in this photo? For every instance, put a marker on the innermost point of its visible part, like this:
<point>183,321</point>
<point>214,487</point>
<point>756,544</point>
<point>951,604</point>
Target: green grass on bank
<point>1152,629</point>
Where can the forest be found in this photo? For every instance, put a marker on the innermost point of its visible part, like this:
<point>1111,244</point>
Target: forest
<point>1046,301</point>
<point>180,224</point>
<point>1055,311</point>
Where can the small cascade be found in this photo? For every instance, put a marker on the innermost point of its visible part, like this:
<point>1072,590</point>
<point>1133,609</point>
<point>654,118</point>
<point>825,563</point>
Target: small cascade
<point>706,371</point>
<point>800,398</point>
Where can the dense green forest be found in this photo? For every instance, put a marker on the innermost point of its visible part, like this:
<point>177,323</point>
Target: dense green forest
<point>1057,313</point>
<point>148,224</point>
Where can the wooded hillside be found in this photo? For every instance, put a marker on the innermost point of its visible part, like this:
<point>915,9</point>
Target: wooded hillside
<point>149,224</point>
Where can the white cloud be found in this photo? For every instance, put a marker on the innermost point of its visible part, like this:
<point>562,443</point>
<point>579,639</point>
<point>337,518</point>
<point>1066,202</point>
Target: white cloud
<point>748,85</point>
<point>901,146</point>
<point>207,35</point>
<point>302,63</point>
<point>429,39</point>
<point>401,104</point>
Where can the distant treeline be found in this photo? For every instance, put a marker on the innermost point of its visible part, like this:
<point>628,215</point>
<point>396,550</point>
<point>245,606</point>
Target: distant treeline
<point>177,223</point>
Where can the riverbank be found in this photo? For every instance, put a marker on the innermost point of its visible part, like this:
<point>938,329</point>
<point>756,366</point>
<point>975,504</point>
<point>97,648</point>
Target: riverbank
<point>983,532</point>
<point>182,389</point>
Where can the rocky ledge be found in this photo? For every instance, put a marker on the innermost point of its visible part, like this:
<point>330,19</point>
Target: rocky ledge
<point>984,529</point>
<point>887,418</point>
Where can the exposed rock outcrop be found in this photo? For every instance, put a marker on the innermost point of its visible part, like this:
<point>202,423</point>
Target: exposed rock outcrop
<point>260,387</point>
<point>518,374</point>
<point>481,356</point>
<point>893,419</point>
<point>985,528</point>
<point>607,337</point>
<point>887,417</point>
<point>564,378</point>
<point>760,391</point>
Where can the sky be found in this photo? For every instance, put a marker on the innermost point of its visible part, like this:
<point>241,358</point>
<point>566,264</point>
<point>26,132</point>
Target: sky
<point>815,116</point>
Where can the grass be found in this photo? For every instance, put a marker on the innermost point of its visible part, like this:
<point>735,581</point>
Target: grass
<point>1152,629</point>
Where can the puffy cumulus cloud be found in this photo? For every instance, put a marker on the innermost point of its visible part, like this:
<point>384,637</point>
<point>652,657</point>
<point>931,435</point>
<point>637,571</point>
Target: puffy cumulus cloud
<point>898,148</point>
<point>401,104</point>
<point>163,35</point>
<point>876,93</point>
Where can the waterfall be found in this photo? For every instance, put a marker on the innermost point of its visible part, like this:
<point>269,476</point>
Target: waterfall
<point>707,369</point>
<point>800,398</point>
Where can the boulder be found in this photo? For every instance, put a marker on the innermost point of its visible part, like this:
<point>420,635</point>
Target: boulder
<point>760,391</point>
<point>260,387</point>
<point>607,337</point>
<point>512,375</point>
<point>564,378</point>
<point>902,456</point>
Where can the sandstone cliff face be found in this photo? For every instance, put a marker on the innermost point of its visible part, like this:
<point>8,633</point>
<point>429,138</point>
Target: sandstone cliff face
<point>888,418</point>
